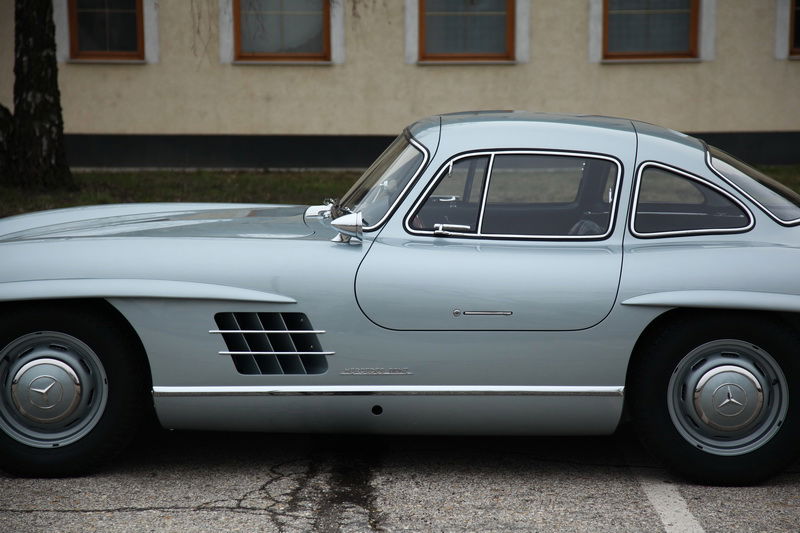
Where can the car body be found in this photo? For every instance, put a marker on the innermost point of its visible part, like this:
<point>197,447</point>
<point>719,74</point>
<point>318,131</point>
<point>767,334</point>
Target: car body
<point>504,273</point>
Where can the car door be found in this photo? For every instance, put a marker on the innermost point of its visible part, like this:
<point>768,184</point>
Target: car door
<point>500,240</point>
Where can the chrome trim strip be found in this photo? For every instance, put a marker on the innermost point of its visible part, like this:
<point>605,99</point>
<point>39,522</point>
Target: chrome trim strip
<point>491,153</point>
<point>484,197</point>
<point>276,353</point>
<point>400,197</point>
<point>698,179</point>
<point>315,331</point>
<point>488,313</point>
<point>710,164</point>
<point>389,390</point>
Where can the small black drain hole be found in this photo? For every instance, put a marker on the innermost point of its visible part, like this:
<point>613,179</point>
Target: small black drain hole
<point>377,409</point>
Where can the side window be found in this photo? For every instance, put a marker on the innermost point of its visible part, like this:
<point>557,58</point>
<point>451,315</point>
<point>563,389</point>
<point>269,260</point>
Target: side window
<point>662,186</point>
<point>669,202</point>
<point>549,196</point>
<point>456,199</point>
<point>525,195</point>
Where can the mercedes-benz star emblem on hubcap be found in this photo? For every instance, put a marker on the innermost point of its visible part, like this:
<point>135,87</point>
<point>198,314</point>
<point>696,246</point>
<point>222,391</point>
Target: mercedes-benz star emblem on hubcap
<point>730,399</point>
<point>46,392</point>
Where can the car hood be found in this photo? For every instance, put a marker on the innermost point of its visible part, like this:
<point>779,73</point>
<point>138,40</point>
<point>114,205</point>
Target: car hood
<point>160,220</point>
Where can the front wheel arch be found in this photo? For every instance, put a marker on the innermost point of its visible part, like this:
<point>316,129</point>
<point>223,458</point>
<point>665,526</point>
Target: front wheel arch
<point>40,339</point>
<point>96,306</point>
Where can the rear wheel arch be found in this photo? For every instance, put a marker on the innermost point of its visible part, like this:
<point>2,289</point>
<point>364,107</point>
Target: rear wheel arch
<point>669,318</point>
<point>678,375</point>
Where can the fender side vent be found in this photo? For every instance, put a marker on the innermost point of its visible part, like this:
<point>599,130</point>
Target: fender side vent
<point>271,343</point>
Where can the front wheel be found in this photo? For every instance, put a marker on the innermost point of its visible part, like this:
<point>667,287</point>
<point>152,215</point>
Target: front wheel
<point>70,392</point>
<point>713,398</point>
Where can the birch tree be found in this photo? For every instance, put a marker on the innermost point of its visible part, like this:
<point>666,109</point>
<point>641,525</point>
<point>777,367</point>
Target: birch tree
<point>32,152</point>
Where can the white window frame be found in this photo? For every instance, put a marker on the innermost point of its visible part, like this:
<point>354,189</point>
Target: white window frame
<point>227,46</point>
<point>783,29</point>
<point>151,46</point>
<point>705,41</point>
<point>522,36</point>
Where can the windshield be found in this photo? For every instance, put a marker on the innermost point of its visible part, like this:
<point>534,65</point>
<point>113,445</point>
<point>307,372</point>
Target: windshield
<point>378,188</point>
<point>774,197</point>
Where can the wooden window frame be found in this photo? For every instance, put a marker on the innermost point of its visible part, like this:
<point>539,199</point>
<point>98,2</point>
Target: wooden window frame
<point>793,29</point>
<point>694,38</point>
<point>76,53</point>
<point>325,55</point>
<point>509,55</point>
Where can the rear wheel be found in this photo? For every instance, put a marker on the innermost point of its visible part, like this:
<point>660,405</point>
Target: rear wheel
<point>71,390</point>
<point>712,398</point>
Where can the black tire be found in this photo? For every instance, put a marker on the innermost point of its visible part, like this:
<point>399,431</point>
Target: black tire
<point>694,398</point>
<point>49,426</point>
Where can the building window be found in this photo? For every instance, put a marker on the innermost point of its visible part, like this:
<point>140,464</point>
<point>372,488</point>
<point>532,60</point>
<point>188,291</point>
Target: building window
<point>481,30</point>
<point>794,35</point>
<point>281,30</point>
<point>634,29</point>
<point>106,29</point>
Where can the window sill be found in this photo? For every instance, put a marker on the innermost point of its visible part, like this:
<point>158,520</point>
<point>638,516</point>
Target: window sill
<point>461,62</point>
<point>651,60</point>
<point>280,62</point>
<point>107,61</point>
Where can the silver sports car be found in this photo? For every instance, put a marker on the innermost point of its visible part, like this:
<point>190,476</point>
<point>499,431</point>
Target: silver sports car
<point>504,273</point>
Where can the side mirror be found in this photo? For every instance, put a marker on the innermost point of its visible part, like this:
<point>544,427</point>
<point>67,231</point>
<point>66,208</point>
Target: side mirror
<point>350,226</point>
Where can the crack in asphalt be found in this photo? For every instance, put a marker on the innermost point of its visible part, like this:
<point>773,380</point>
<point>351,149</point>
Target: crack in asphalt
<point>327,487</point>
<point>328,493</point>
<point>287,498</point>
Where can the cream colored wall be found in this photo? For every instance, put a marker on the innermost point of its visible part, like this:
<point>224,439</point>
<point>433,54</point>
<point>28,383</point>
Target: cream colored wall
<point>6,52</point>
<point>375,92</point>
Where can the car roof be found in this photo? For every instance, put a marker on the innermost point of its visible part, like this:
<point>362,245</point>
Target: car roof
<point>535,118</point>
<point>583,125</point>
<point>645,128</point>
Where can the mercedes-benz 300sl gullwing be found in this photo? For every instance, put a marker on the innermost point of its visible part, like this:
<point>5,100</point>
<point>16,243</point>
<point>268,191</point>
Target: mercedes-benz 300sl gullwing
<point>503,273</point>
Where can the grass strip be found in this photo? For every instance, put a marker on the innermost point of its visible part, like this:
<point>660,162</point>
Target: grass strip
<point>290,187</point>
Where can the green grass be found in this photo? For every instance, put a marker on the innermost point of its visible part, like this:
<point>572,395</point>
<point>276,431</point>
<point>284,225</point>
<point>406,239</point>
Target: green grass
<point>789,175</point>
<point>307,187</point>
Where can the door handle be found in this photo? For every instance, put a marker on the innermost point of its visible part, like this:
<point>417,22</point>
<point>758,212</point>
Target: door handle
<point>449,229</point>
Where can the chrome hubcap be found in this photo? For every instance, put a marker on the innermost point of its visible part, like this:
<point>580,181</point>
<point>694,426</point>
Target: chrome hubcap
<point>54,389</point>
<point>46,391</point>
<point>727,397</point>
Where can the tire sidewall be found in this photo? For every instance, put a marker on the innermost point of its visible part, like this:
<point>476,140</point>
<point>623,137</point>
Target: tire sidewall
<point>121,414</point>
<point>649,399</point>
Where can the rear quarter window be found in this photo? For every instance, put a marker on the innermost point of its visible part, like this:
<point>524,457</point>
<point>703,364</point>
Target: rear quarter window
<point>671,202</point>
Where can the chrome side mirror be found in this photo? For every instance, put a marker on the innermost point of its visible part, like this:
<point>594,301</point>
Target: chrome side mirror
<point>350,227</point>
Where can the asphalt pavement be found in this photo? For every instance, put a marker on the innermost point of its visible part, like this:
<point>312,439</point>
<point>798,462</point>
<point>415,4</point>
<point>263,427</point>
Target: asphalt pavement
<point>208,482</point>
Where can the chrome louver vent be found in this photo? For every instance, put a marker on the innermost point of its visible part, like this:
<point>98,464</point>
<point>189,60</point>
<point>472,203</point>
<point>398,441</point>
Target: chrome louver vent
<point>271,343</point>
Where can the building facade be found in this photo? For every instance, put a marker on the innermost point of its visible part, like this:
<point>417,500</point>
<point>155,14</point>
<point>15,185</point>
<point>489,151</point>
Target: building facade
<point>270,83</point>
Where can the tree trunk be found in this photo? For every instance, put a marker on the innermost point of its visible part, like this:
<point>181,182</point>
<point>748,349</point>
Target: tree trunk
<point>37,141</point>
<point>6,127</point>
